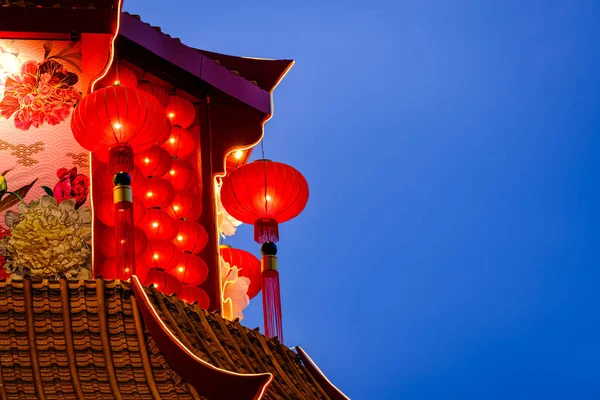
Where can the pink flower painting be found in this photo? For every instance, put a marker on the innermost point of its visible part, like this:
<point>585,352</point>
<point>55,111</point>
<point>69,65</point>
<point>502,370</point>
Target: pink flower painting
<point>71,186</point>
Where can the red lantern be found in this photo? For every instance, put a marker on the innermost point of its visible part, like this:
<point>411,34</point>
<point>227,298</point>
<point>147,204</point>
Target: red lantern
<point>119,76</point>
<point>156,90</point>
<point>155,192</point>
<point>162,281</point>
<point>159,254</point>
<point>190,269</point>
<point>191,237</point>
<point>185,205</point>
<point>192,294</point>
<point>108,244</point>
<point>181,175</point>
<point>264,193</point>
<point>180,144</point>
<point>105,210</point>
<point>158,225</point>
<point>119,116</point>
<point>102,180</point>
<point>248,266</point>
<point>180,111</point>
<point>153,162</point>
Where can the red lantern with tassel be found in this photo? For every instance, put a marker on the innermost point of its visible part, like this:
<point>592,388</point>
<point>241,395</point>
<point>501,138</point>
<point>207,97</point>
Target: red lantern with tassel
<point>191,237</point>
<point>155,192</point>
<point>162,281</point>
<point>180,111</point>
<point>185,205</point>
<point>180,143</point>
<point>190,269</point>
<point>153,162</point>
<point>156,90</point>
<point>266,193</point>
<point>122,120</point>
<point>248,266</point>
<point>192,294</point>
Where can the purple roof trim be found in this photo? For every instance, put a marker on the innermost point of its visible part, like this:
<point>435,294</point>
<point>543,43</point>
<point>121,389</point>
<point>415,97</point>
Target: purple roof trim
<point>195,63</point>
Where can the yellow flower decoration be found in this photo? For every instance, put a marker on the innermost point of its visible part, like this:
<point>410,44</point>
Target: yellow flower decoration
<point>48,239</point>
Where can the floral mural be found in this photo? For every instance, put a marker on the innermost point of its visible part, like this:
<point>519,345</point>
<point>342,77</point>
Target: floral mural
<point>45,219</point>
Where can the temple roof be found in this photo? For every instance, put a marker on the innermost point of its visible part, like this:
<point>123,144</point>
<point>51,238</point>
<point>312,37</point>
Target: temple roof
<point>97,340</point>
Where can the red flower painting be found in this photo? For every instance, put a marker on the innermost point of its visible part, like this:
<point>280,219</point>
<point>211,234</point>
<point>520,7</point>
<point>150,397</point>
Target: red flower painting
<point>71,186</point>
<point>41,93</point>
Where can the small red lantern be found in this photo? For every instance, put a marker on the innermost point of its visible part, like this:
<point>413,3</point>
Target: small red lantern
<point>105,210</point>
<point>158,225</point>
<point>190,269</point>
<point>180,144</point>
<point>191,237</point>
<point>185,205</point>
<point>155,192</point>
<point>264,193</point>
<point>180,111</point>
<point>193,294</point>
<point>248,266</point>
<point>162,281</point>
<point>159,254</point>
<point>108,244</point>
<point>153,162</point>
<point>156,90</point>
<point>181,175</point>
<point>119,76</point>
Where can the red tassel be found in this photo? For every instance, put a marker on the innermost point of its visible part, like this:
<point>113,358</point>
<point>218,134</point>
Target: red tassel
<point>272,304</point>
<point>266,230</point>
<point>120,159</point>
<point>125,241</point>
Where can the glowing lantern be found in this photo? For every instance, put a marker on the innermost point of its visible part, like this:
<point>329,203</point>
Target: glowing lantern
<point>190,269</point>
<point>105,210</point>
<point>162,281</point>
<point>248,265</point>
<point>159,92</point>
<point>191,237</point>
<point>185,205</point>
<point>155,161</point>
<point>181,175</point>
<point>266,193</point>
<point>108,244</point>
<point>159,254</point>
<point>158,225</point>
<point>193,294</point>
<point>155,192</point>
<point>180,143</point>
<point>180,111</point>
<point>119,76</point>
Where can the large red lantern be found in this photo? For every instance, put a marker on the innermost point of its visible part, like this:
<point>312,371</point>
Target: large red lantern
<point>190,269</point>
<point>159,254</point>
<point>193,294</point>
<point>156,90</point>
<point>185,205</point>
<point>158,225</point>
<point>153,162</point>
<point>181,175</point>
<point>180,111</point>
<point>264,193</point>
<point>162,281</point>
<point>105,210</point>
<point>155,192</point>
<point>191,237</point>
<point>248,266</point>
<point>180,143</point>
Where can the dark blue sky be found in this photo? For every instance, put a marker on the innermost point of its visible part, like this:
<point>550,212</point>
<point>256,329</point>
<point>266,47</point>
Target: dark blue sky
<point>450,246</point>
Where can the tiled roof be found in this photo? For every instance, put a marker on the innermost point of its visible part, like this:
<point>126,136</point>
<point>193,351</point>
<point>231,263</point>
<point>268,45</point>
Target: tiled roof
<point>89,340</point>
<point>87,4</point>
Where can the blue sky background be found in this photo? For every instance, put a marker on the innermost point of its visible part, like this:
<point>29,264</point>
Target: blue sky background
<point>450,246</point>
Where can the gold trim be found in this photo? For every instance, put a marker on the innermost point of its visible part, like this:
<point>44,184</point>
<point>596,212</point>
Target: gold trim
<point>122,193</point>
<point>268,263</point>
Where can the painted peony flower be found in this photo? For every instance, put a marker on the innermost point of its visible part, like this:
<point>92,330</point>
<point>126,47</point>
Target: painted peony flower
<point>41,93</point>
<point>71,186</point>
<point>47,239</point>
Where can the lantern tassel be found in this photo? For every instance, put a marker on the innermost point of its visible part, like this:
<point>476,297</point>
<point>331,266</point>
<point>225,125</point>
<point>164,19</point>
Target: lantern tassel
<point>266,230</point>
<point>123,206</point>
<point>270,287</point>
